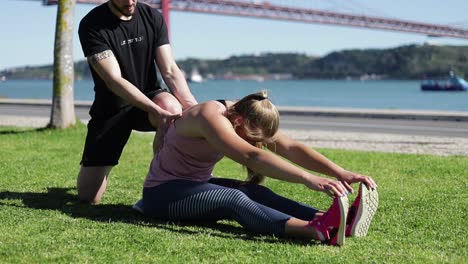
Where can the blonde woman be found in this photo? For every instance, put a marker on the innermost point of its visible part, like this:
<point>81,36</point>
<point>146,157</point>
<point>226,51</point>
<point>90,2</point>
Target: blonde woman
<point>180,186</point>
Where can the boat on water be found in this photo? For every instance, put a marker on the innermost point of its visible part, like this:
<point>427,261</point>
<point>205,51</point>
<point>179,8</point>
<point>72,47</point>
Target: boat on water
<point>452,84</point>
<point>195,77</point>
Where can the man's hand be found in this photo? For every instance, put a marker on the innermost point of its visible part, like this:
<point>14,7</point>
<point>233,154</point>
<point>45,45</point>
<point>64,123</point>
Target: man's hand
<point>161,122</point>
<point>161,119</point>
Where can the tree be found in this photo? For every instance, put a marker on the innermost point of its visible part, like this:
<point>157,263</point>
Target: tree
<point>63,108</point>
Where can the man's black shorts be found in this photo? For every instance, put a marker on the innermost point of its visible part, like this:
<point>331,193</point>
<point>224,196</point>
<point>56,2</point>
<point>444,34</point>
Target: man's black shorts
<point>106,138</point>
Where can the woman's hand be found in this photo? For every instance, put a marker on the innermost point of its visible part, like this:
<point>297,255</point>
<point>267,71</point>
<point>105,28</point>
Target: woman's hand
<point>348,177</point>
<point>328,186</point>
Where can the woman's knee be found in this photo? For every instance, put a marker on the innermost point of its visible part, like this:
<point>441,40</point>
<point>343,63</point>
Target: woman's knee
<point>232,199</point>
<point>238,196</point>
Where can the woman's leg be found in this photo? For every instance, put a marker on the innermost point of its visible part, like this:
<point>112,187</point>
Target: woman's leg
<point>265,196</point>
<point>187,200</point>
<point>299,229</point>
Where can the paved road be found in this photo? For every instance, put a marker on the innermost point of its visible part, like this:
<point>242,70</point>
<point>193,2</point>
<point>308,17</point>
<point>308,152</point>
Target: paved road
<point>39,110</point>
<point>303,122</point>
<point>375,125</point>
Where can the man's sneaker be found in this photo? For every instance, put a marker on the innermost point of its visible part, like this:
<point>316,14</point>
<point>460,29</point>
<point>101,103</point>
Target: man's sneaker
<point>331,225</point>
<point>362,211</point>
<point>138,206</point>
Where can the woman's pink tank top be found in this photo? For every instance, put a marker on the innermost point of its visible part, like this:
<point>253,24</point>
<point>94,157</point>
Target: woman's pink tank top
<point>182,158</point>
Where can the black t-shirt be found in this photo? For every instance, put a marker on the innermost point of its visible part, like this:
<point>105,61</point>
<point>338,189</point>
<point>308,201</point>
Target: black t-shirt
<point>133,43</point>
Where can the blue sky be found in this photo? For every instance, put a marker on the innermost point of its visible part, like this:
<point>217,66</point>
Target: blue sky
<point>27,30</point>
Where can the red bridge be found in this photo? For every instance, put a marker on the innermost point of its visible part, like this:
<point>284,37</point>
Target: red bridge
<point>270,11</point>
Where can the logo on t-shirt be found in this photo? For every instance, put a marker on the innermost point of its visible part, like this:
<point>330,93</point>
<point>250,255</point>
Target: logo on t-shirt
<point>131,41</point>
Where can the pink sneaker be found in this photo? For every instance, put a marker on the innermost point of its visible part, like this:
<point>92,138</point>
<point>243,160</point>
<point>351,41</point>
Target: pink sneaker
<point>362,211</point>
<point>330,226</point>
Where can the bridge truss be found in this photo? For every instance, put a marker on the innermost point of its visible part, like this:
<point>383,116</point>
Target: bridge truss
<point>276,12</point>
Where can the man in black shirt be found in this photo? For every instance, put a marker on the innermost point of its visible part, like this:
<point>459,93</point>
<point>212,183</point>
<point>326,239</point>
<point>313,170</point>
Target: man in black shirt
<point>122,40</point>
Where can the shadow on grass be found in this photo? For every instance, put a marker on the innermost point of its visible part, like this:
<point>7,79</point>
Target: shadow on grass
<point>48,128</point>
<point>23,131</point>
<point>61,199</point>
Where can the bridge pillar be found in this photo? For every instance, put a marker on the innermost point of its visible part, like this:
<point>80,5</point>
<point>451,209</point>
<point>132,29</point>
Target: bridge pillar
<point>165,7</point>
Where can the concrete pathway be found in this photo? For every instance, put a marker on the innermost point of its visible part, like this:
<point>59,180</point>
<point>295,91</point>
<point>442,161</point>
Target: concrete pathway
<point>443,146</point>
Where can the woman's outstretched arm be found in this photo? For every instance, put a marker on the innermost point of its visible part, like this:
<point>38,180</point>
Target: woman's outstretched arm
<point>218,131</point>
<point>310,159</point>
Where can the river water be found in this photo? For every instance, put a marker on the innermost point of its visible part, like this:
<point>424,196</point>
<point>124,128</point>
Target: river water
<point>380,94</point>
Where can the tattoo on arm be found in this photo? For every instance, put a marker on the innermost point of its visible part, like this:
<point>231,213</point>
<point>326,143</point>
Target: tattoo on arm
<point>93,59</point>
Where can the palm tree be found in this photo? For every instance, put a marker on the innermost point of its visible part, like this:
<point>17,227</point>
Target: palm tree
<point>63,108</point>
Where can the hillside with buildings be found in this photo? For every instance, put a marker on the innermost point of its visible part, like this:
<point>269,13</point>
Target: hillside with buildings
<point>405,62</point>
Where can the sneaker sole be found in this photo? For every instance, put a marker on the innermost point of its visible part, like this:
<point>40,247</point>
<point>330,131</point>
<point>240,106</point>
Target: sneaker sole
<point>366,211</point>
<point>138,207</point>
<point>344,204</point>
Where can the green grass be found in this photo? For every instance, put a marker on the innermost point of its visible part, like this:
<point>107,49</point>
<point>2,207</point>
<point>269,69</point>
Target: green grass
<point>421,218</point>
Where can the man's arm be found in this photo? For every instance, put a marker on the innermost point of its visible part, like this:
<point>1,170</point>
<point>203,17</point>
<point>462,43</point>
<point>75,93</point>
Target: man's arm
<point>107,67</point>
<point>173,77</point>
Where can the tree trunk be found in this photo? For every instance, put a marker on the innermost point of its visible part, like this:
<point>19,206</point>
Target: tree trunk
<point>63,108</point>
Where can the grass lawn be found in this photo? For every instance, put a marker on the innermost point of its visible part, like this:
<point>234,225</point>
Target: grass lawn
<point>422,216</point>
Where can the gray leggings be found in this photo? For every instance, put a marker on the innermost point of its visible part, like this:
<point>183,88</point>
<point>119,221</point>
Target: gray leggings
<point>255,207</point>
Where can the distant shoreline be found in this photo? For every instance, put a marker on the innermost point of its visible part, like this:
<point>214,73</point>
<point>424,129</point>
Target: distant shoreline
<point>410,62</point>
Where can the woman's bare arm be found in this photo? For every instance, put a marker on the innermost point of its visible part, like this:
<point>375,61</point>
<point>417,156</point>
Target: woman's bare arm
<point>207,121</point>
<point>310,159</point>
